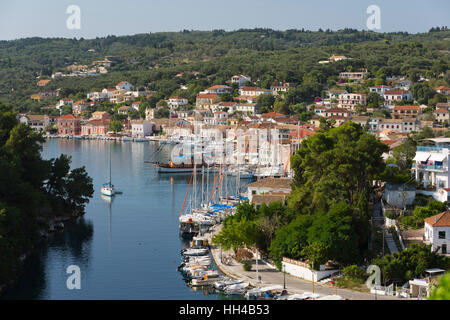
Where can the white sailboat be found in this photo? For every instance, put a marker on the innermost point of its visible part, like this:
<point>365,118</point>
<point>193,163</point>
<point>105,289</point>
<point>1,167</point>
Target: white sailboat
<point>107,189</point>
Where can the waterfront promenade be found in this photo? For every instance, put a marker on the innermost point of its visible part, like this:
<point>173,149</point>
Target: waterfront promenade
<point>271,276</point>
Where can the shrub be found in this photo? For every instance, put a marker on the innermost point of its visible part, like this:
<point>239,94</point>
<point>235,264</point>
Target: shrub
<point>391,215</point>
<point>247,265</point>
<point>354,272</point>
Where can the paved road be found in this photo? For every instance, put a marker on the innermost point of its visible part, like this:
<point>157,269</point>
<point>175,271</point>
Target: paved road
<point>271,276</point>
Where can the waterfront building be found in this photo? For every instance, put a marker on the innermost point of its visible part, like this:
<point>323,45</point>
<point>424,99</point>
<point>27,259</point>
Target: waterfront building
<point>38,123</point>
<point>141,128</point>
<point>69,125</point>
<point>97,127</point>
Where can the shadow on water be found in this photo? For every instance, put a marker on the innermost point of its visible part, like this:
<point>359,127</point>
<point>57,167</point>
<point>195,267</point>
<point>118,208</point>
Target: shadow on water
<point>75,240</point>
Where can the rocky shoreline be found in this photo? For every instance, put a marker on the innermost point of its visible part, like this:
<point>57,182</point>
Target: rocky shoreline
<point>53,225</point>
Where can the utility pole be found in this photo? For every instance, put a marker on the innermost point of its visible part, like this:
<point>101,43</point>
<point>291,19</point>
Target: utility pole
<point>284,277</point>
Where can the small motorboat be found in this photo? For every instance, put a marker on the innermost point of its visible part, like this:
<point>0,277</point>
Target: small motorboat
<point>195,252</point>
<point>237,289</point>
<point>221,285</point>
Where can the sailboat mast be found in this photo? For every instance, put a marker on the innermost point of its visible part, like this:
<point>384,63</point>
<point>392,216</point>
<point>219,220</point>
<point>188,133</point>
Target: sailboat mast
<point>207,185</point>
<point>203,186</point>
<point>110,180</point>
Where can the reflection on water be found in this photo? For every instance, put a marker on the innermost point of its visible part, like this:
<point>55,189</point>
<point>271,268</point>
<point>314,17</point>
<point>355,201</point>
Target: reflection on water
<point>75,243</point>
<point>128,246</point>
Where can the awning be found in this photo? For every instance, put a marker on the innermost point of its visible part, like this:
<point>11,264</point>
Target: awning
<point>437,157</point>
<point>422,156</point>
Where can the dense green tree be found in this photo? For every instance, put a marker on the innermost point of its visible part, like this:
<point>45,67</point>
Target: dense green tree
<point>410,263</point>
<point>442,291</point>
<point>115,126</point>
<point>335,165</point>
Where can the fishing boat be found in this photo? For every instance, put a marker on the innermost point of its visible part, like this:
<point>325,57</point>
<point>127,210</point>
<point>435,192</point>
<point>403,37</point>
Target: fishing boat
<point>188,228</point>
<point>171,167</point>
<point>107,189</point>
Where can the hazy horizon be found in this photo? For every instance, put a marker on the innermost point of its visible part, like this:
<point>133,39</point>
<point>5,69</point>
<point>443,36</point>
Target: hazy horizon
<point>47,19</point>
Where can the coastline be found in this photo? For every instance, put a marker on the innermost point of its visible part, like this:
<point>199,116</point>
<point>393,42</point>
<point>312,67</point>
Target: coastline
<point>270,276</point>
<point>53,225</point>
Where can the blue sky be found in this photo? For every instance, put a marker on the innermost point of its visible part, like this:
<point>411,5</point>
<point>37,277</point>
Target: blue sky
<point>45,18</point>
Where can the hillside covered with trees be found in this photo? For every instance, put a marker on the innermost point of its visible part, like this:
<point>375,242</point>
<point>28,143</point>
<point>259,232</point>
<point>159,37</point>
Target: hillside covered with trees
<point>153,60</point>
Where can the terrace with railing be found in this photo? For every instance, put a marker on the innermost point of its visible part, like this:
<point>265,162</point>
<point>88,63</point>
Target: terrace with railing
<point>429,167</point>
<point>438,148</point>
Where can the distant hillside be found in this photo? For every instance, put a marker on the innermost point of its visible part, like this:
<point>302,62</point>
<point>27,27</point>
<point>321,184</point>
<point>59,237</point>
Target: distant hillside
<point>152,60</point>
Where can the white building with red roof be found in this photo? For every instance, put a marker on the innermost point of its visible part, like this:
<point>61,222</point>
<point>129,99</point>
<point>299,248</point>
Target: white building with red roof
<point>124,85</point>
<point>391,97</point>
<point>177,102</point>
<point>442,115</point>
<point>253,91</point>
<point>218,89</point>
<point>437,232</point>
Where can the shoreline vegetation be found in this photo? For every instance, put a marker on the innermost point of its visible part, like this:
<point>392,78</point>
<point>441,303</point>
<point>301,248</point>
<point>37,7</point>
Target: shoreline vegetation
<point>37,196</point>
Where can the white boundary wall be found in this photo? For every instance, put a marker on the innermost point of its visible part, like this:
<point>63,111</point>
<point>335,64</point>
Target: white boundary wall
<point>303,272</point>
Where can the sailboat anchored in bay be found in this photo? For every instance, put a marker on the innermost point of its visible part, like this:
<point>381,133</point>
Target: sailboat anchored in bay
<point>107,189</point>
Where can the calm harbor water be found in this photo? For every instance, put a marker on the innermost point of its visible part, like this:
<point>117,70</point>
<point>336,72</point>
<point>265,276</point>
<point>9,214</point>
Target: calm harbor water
<point>127,248</point>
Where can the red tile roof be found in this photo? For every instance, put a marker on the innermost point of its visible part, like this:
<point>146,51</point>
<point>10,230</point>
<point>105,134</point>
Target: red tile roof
<point>217,86</point>
<point>417,108</point>
<point>303,133</point>
<point>69,116</point>
<point>208,96</point>
<point>272,115</point>
<point>439,220</point>
<point>396,92</point>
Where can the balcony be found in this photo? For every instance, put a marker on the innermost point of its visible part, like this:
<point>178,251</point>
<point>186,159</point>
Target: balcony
<point>433,148</point>
<point>429,167</point>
